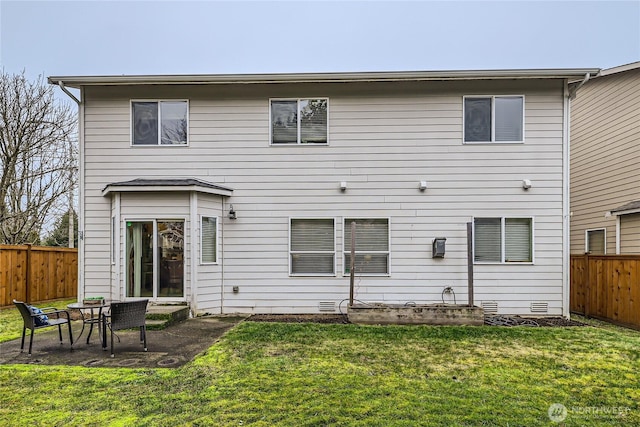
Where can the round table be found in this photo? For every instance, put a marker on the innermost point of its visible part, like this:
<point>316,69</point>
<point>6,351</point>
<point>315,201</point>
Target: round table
<point>89,316</point>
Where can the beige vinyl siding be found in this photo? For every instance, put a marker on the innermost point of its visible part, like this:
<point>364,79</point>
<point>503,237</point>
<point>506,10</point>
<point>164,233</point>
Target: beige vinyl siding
<point>605,142</point>
<point>630,234</point>
<point>383,140</point>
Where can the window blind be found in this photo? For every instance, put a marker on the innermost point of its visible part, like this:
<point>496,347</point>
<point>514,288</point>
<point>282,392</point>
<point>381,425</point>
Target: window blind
<point>209,239</point>
<point>517,238</point>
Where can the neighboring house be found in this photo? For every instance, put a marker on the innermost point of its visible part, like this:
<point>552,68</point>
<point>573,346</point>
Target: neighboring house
<point>236,193</point>
<point>605,159</point>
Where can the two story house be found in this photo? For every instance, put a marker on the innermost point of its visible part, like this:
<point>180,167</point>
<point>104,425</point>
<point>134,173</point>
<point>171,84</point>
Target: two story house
<point>605,153</point>
<point>237,193</point>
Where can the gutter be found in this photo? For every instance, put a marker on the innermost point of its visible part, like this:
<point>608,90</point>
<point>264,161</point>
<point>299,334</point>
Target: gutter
<point>344,77</point>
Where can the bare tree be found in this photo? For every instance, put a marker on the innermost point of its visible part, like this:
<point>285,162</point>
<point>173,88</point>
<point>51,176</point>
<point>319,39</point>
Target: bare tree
<point>37,157</point>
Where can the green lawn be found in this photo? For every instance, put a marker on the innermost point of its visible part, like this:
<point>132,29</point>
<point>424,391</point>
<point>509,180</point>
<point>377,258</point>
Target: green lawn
<point>268,374</point>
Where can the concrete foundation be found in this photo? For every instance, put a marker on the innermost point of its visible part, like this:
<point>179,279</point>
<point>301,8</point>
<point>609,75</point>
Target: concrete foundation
<point>427,314</point>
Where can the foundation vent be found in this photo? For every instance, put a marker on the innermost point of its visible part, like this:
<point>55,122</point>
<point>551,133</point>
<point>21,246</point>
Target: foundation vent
<point>490,307</point>
<point>327,306</point>
<point>539,307</point>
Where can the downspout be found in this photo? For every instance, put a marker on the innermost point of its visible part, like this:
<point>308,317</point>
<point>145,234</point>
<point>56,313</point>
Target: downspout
<point>569,94</point>
<point>80,185</point>
<point>573,90</point>
<point>65,90</point>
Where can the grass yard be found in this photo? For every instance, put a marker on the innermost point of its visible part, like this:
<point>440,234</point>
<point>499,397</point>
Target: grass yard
<point>277,374</point>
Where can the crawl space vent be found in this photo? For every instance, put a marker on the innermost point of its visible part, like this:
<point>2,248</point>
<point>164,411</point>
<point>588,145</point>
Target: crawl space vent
<point>539,307</point>
<point>490,306</point>
<point>327,306</point>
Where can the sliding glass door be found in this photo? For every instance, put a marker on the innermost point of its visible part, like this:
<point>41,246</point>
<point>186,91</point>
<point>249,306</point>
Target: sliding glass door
<point>155,259</point>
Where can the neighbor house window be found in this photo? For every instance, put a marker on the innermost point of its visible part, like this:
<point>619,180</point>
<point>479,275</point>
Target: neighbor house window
<point>299,121</point>
<point>493,118</point>
<point>312,247</point>
<point>497,240</point>
<point>209,240</point>
<point>595,242</point>
<point>371,246</point>
<point>159,122</point>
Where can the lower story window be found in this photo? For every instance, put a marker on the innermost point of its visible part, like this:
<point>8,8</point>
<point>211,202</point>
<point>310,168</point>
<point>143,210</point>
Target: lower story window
<point>371,246</point>
<point>498,240</point>
<point>595,242</point>
<point>312,247</point>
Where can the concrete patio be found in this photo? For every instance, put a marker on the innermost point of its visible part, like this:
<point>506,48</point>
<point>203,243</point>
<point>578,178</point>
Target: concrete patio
<point>171,347</point>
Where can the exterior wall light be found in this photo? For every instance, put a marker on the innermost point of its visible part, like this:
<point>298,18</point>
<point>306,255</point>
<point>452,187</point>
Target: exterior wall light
<point>526,184</point>
<point>343,186</point>
<point>232,213</point>
<point>423,185</point>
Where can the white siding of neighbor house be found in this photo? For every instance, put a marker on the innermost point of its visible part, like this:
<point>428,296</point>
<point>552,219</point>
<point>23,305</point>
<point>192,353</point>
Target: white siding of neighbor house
<point>383,139</point>
<point>605,153</point>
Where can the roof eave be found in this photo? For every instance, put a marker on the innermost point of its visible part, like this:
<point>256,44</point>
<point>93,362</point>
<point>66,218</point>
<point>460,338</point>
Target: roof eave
<point>385,76</point>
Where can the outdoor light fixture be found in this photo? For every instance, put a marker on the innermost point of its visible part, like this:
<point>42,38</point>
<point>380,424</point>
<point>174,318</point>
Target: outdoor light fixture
<point>232,213</point>
<point>343,186</point>
<point>526,184</point>
<point>423,185</point>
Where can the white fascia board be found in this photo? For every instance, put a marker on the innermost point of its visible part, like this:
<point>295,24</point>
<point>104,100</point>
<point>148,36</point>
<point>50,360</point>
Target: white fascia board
<point>383,76</point>
<point>168,188</point>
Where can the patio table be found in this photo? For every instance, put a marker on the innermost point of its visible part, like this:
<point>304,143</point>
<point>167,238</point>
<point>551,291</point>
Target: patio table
<point>89,316</point>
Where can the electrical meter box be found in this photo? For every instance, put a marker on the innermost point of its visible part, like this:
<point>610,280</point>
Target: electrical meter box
<point>437,250</point>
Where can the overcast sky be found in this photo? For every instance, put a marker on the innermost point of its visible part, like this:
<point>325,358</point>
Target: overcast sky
<point>212,37</point>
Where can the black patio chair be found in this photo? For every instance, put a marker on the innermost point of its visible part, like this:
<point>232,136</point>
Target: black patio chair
<point>125,315</point>
<point>33,321</point>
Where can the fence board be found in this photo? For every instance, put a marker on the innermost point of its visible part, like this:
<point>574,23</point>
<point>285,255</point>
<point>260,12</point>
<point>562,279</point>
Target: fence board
<point>606,287</point>
<point>33,273</point>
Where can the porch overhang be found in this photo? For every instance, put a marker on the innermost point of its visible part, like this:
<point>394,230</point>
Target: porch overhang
<point>627,209</point>
<point>147,185</point>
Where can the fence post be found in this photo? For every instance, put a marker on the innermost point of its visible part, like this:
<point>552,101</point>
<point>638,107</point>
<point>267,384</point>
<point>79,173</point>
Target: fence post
<point>587,285</point>
<point>27,280</point>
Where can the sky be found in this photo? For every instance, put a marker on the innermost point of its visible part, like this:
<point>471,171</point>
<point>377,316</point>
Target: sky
<point>71,38</point>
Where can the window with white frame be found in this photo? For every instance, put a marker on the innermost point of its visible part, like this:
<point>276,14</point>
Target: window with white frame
<point>159,122</point>
<point>595,241</point>
<point>498,240</point>
<point>312,246</point>
<point>494,118</point>
<point>371,246</point>
<point>209,240</point>
<point>299,121</point>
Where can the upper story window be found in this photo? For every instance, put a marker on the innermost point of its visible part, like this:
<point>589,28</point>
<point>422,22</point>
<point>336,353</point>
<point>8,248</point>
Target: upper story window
<point>159,122</point>
<point>494,118</point>
<point>299,121</point>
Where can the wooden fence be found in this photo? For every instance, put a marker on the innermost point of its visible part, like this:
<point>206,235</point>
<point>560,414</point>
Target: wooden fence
<point>606,287</point>
<point>34,273</point>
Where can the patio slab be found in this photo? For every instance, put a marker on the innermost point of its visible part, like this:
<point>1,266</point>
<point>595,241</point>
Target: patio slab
<point>167,348</point>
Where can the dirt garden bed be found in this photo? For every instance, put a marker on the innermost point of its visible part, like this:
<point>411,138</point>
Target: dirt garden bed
<point>489,320</point>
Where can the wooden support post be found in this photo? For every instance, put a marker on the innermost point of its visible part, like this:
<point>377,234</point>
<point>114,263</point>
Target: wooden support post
<point>470,262</point>
<point>352,263</point>
<point>27,279</point>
